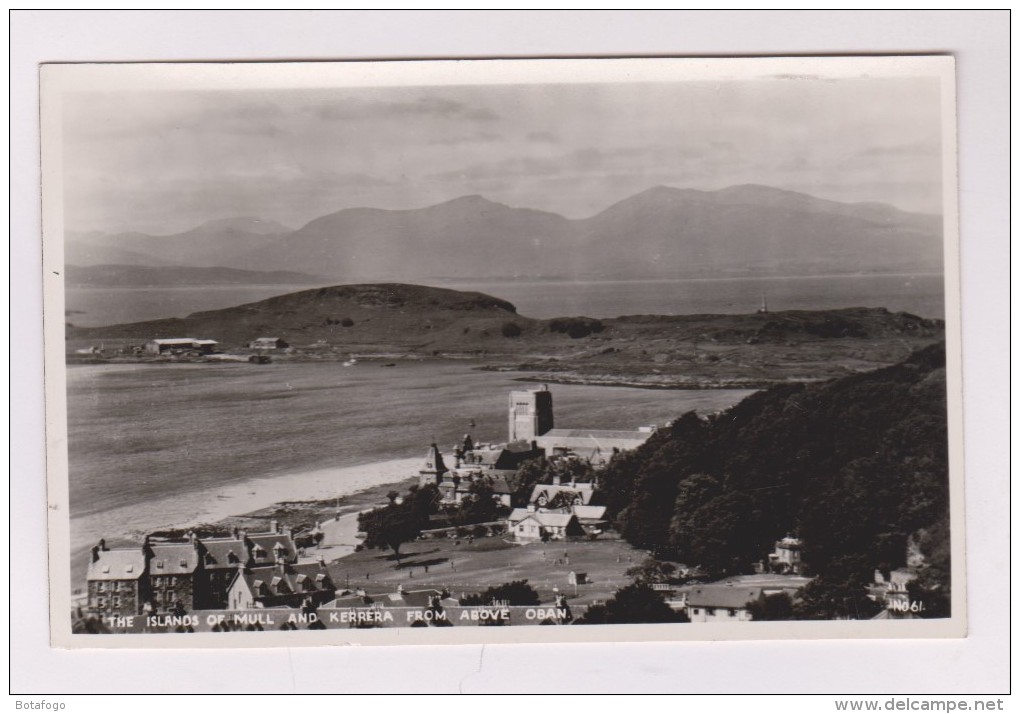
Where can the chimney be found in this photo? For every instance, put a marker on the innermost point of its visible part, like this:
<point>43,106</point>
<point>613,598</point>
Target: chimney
<point>290,531</point>
<point>234,532</point>
<point>274,526</point>
<point>95,553</point>
<point>322,561</point>
<point>102,544</point>
<point>556,480</point>
<point>191,537</point>
<point>531,508</point>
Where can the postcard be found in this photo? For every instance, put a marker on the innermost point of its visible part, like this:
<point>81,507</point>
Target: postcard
<point>502,351</point>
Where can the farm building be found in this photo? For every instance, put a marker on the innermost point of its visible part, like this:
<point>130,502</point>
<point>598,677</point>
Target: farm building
<point>268,343</point>
<point>180,344</point>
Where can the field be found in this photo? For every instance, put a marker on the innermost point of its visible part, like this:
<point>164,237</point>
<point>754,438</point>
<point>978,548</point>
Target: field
<point>463,567</point>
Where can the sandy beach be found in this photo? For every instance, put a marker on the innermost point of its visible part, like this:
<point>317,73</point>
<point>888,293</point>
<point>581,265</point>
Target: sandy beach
<point>215,504</point>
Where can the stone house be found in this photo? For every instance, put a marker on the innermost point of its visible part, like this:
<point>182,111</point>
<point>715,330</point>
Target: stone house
<point>116,581</point>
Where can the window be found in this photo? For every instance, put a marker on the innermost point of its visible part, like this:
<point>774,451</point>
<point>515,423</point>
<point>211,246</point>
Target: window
<point>732,612</point>
<point>709,610</point>
<point>101,602</point>
<point>116,601</point>
<point>170,597</point>
<point>184,562</point>
<point>101,587</point>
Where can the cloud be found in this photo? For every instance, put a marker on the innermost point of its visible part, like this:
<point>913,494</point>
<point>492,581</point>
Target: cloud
<point>586,160</point>
<point>543,137</point>
<point>914,148</point>
<point>355,109</point>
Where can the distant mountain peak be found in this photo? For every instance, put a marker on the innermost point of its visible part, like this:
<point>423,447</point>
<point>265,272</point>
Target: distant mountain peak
<point>244,224</point>
<point>470,200</point>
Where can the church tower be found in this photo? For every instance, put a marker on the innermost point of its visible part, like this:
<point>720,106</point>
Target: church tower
<point>531,413</point>
<point>434,468</point>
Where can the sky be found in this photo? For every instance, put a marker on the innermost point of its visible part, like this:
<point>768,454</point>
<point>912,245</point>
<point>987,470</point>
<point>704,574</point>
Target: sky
<point>166,161</point>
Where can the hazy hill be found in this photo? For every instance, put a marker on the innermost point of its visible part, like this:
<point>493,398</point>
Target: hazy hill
<point>753,230</point>
<point>468,236</point>
<point>79,249</point>
<point>122,276</point>
<point>212,244</point>
<point>384,315</point>
<point>645,350</point>
<point>662,232</point>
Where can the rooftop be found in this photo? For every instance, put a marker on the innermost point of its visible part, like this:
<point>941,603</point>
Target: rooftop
<point>120,564</point>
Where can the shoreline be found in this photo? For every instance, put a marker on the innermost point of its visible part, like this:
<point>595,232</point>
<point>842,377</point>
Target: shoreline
<point>292,498</point>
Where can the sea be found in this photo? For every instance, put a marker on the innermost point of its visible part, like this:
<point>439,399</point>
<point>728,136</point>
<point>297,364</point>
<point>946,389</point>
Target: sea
<point>921,294</point>
<point>159,445</point>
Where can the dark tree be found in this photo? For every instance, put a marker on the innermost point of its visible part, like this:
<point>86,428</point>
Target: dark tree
<point>652,571</point>
<point>772,607</point>
<point>401,521</point>
<point>511,329</point>
<point>633,604</point>
<point>479,505</point>
<point>517,592</point>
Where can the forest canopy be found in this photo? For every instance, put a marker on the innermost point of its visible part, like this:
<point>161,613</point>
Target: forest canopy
<point>857,467</point>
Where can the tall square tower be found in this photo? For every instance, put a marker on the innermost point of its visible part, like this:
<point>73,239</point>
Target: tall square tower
<point>531,413</point>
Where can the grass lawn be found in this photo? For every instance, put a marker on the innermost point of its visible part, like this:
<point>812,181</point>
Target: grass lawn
<point>467,568</point>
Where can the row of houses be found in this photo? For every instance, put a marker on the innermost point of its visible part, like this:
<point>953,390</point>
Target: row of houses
<point>243,569</point>
<point>177,345</point>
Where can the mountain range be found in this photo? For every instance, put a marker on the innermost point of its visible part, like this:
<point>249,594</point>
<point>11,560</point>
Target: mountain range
<point>660,233</point>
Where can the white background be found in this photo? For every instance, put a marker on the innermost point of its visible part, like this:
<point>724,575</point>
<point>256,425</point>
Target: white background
<point>979,663</point>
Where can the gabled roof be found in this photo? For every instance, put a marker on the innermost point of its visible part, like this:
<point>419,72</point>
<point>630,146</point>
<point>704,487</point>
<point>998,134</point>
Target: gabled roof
<point>120,564</point>
<point>269,581</point>
<point>349,600</point>
<point>551,520</point>
<point>173,559</point>
<point>410,598</point>
<point>584,490</point>
<point>218,553</point>
<point>518,514</point>
<point>174,341</point>
<point>269,543</point>
<point>589,512</point>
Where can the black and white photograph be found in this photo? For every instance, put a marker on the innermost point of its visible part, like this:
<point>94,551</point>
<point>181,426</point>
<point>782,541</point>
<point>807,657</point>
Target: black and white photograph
<point>581,350</point>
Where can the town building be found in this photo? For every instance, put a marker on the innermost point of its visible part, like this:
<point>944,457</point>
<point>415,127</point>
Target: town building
<point>174,345</point>
<point>268,343</point>
<point>175,576</point>
<point>720,603</point>
<point>281,585</point>
<point>531,419</point>
<point>553,495</point>
<point>496,464</point>
<point>786,558</point>
<point>530,413</point>
<point>116,581</point>
<point>729,600</point>
<point>180,576</point>
<point>530,525</point>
